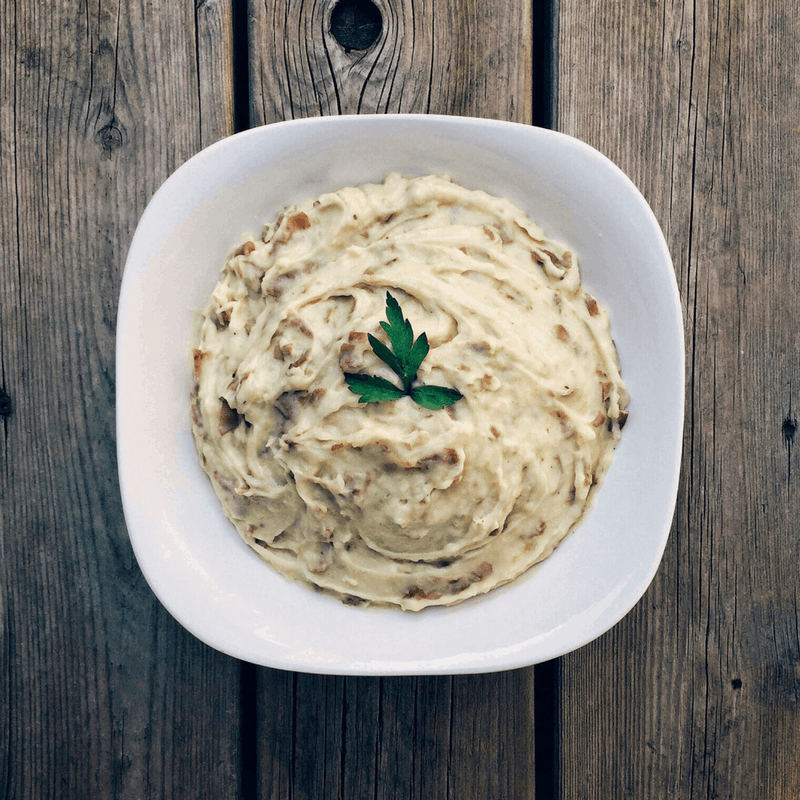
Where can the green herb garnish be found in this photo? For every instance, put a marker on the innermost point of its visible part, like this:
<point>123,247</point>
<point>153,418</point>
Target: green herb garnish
<point>404,359</point>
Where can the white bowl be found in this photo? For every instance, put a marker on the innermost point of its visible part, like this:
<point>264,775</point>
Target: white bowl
<point>194,559</point>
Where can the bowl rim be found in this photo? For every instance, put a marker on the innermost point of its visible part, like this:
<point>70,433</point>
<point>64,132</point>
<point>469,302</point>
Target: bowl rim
<point>518,655</point>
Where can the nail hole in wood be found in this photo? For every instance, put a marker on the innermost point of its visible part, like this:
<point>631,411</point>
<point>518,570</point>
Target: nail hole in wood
<point>5,404</point>
<point>356,24</point>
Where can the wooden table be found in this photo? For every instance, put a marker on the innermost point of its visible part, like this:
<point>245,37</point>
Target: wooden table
<point>696,693</point>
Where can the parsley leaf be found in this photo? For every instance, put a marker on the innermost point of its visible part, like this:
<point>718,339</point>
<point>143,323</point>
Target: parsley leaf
<point>401,337</point>
<point>417,355</point>
<point>434,397</point>
<point>404,359</point>
<point>397,328</point>
<point>385,354</point>
<point>372,388</point>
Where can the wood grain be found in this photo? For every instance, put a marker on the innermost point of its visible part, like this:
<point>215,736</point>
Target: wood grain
<point>415,738</point>
<point>101,688</point>
<point>697,692</point>
<point>452,57</point>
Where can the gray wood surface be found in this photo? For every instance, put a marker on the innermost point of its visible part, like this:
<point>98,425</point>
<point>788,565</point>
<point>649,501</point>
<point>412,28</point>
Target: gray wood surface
<point>400,737</point>
<point>449,57</point>
<point>695,694</point>
<point>104,695</point>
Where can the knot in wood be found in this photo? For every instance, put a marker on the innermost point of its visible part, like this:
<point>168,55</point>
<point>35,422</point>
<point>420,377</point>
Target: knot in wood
<point>109,137</point>
<point>356,24</point>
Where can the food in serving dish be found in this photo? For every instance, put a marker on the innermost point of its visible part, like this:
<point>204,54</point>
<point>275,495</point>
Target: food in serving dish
<point>392,502</point>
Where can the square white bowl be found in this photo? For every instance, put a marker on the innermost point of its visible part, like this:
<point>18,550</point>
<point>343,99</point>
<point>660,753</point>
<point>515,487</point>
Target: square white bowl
<point>192,556</point>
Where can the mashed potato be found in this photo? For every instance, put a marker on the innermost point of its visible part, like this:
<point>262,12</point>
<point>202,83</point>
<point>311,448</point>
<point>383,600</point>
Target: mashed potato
<point>389,502</point>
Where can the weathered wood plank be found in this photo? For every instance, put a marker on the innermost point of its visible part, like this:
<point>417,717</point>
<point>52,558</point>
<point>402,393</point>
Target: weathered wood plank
<point>492,736</point>
<point>697,693</point>
<point>451,57</point>
<point>99,103</point>
<point>395,738</point>
<point>336,738</point>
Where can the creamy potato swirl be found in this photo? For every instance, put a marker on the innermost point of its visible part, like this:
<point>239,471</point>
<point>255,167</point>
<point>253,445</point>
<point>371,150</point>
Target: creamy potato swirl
<point>389,502</point>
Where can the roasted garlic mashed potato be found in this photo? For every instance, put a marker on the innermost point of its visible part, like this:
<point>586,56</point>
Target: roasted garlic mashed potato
<point>390,502</point>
